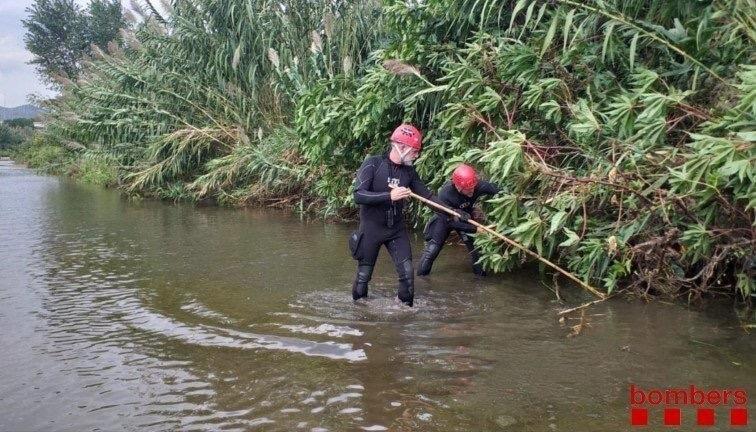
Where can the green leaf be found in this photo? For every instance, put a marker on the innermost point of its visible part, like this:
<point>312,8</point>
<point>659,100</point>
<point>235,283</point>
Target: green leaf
<point>607,36</point>
<point>567,27</point>
<point>528,15</point>
<point>518,7</point>
<point>425,91</point>
<point>572,238</point>
<point>633,45</point>
<point>557,220</point>
<point>734,167</point>
<point>550,34</point>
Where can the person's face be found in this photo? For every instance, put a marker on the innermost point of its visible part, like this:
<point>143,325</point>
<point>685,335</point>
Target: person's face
<point>405,153</point>
<point>469,191</point>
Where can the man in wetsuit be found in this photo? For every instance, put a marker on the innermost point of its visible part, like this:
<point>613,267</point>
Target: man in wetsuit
<point>382,184</point>
<point>460,195</point>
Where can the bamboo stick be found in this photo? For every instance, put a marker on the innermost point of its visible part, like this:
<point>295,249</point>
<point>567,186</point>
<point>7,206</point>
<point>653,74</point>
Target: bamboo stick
<point>582,306</point>
<point>513,243</point>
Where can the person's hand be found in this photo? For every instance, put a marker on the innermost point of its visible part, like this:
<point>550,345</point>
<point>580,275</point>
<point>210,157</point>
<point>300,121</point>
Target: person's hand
<point>479,230</point>
<point>399,193</point>
<point>463,216</point>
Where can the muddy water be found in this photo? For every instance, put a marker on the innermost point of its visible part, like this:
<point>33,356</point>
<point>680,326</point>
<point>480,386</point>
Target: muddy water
<point>144,315</point>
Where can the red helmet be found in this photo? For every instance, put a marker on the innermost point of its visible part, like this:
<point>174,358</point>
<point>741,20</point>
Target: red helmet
<point>408,135</point>
<point>465,178</point>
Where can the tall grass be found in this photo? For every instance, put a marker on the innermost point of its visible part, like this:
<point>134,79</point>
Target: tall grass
<point>191,90</point>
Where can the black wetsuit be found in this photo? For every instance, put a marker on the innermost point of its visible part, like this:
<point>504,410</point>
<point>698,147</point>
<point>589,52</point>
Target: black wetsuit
<point>441,225</point>
<point>382,223</point>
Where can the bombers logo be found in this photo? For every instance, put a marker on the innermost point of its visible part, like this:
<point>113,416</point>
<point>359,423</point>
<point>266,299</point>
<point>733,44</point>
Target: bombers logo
<point>393,182</point>
<point>705,403</point>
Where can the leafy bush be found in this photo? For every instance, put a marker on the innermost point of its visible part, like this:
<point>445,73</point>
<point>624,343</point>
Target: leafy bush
<point>46,153</point>
<point>621,132</point>
<point>97,168</point>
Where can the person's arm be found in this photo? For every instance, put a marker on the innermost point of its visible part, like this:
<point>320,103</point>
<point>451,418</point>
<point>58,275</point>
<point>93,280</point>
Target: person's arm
<point>464,227</point>
<point>445,194</point>
<point>484,188</point>
<point>362,193</point>
<point>488,188</point>
<point>418,186</point>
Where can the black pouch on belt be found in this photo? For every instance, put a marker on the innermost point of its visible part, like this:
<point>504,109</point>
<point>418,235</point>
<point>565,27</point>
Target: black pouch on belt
<point>354,244</point>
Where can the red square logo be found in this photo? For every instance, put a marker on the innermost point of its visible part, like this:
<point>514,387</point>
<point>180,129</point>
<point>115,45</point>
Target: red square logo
<point>738,417</point>
<point>672,417</point>
<point>638,416</point>
<point>705,417</point>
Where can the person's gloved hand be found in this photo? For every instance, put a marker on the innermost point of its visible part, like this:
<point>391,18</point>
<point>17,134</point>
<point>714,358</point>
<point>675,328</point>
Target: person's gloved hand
<point>463,216</point>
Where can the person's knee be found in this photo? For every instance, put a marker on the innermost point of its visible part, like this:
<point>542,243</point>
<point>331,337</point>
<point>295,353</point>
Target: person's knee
<point>406,282</point>
<point>360,285</point>
<point>406,271</point>
<point>364,273</point>
<point>431,251</point>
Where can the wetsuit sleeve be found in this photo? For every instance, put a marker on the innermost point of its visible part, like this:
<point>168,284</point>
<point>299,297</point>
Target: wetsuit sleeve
<point>463,226</point>
<point>362,194</point>
<point>444,194</point>
<point>419,187</point>
<point>488,188</point>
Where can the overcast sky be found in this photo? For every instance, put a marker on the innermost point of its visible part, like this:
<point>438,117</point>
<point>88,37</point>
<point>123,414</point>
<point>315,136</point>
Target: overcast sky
<point>17,79</point>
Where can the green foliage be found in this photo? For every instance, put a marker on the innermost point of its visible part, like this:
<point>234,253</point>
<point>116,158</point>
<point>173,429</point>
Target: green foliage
<point>54,32</point>
<point>9,137</point>
<point>621,132</point>
<point>46,153</point>
<point>104,19</point>
<point>268,169</point>
<point>19,123</point>
<point>14,132</point>
<point>197,103</point>
<point>97,168</point>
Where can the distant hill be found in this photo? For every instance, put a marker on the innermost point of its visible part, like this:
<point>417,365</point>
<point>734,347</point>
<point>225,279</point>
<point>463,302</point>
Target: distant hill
<point>23,111</point>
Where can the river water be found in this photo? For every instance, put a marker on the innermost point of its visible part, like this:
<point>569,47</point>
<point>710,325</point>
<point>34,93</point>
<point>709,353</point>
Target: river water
<point>122,315</point>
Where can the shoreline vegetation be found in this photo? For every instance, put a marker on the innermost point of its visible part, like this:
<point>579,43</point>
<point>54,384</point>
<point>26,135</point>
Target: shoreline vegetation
<point>622,132</point>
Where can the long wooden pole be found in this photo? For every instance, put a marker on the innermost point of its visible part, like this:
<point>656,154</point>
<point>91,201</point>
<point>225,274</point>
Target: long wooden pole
<point>513,243</point>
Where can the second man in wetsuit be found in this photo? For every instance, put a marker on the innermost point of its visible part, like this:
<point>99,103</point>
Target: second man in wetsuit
<point>460,195</point>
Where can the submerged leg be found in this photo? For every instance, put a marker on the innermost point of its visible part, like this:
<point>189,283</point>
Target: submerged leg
<point>474,255</point>
<point>430,253</point>
<point>435,235</point>
<point>401,254</point>
<point>360,285</point>
<point>369,247</point>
